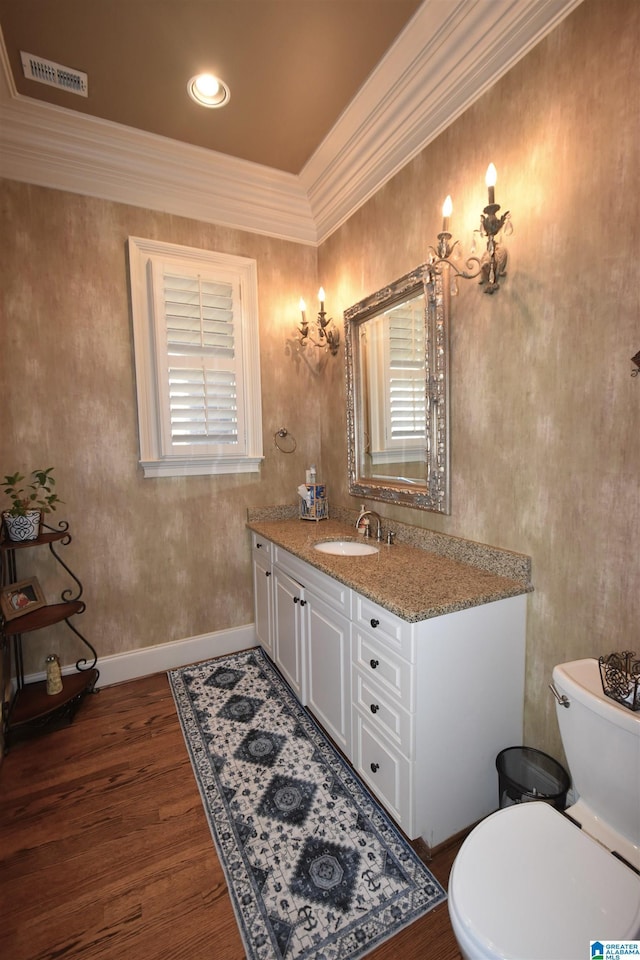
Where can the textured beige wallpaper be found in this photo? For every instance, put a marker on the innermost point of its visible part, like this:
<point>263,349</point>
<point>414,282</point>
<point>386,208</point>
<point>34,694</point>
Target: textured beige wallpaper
<point>545,414</point>
<point>160,559</point>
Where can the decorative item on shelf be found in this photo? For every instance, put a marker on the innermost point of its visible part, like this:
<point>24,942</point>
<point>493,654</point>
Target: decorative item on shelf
<point>54,674</point>
<point>636,360</point>
<point>326,334</point>
<point>22,520</point>
<point>493,262</point>
<point>620,676</point>
<point>16,599</point>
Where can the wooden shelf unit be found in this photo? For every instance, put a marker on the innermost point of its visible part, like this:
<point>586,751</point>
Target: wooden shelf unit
<point>30,709</point>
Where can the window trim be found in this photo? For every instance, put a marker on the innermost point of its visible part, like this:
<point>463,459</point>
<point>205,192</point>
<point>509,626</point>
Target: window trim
<point>142,253</point>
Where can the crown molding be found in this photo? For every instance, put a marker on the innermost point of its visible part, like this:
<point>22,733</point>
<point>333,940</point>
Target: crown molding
<point>447,57</point>
<point>55,147</point>
<point>449,54</point>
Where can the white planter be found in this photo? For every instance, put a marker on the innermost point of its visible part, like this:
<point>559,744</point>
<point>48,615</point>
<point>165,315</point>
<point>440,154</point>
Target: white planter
<point>23,528</point>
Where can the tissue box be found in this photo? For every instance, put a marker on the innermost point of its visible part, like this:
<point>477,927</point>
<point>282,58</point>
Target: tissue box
<point>315,505</point>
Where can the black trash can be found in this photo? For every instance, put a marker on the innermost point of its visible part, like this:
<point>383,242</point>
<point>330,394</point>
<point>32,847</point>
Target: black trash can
<point>525,774</point>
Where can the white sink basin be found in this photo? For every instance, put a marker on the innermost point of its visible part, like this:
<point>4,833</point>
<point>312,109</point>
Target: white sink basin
<point>345,548</point>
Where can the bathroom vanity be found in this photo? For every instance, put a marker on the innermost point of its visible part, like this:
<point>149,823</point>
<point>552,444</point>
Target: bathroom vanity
<point>411,659</point>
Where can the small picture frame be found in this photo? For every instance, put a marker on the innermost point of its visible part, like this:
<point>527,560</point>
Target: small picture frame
<point>16,599</point>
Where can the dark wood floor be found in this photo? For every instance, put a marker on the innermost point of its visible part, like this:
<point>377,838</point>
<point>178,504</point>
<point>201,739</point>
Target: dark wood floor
<point>105,852</point>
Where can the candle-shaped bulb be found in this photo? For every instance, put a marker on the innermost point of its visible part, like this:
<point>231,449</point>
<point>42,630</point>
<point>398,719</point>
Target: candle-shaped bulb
<point>321,298</point>
<point>490,181</point>
<point>447,207</point>
<point>303,326</point>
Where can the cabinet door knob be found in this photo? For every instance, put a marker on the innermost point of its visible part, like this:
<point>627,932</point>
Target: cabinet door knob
<point>375,767</point>
<point>374,663</point>
<point>295,599</point>
<point>303,603</point>
<point>375,623</point>
<point>258,545</point>
<point>267,573</point>
<point>374,708</point>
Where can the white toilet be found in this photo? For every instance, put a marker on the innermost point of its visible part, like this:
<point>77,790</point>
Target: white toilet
<point>527,883</point>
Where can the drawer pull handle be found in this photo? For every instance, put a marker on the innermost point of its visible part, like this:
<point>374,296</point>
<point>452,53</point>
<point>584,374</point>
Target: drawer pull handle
<point>374,708</point>
<point>375,767</point>
<point>374,664</point>
<point>375,623</point>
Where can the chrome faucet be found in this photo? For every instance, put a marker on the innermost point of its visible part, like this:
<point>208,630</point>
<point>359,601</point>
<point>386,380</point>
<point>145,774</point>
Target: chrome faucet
<point>367,531</point>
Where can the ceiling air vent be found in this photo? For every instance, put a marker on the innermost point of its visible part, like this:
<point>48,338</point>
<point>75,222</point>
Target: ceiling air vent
<point>54,74</point>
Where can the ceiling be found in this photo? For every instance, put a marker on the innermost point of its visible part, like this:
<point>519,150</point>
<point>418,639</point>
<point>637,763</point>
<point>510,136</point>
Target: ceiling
<point>329,99</point>
<point>292,65</point>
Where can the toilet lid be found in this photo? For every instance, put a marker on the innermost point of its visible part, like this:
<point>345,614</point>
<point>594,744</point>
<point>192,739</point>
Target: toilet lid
<point>530,885</point>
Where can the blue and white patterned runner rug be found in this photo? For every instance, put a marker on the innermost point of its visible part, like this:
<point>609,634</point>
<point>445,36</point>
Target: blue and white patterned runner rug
<point>314,866</point>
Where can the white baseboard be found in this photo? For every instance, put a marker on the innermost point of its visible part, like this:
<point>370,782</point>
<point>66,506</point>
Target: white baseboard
<point>120,667</point>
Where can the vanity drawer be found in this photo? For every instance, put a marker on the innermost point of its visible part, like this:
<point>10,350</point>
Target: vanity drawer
<point>260,548</point>
<point>383,665</point>
<point>331,591</point>
<point>397,633</point>
<point>385,770</point>
<point>382,711</point>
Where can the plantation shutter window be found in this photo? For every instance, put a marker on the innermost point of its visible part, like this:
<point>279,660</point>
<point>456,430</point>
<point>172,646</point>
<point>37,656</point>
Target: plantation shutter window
<point>407,412</point>
<point>398,363</point>
<point>200,386</point>
<point>199,362</point>
<point>202,406</point>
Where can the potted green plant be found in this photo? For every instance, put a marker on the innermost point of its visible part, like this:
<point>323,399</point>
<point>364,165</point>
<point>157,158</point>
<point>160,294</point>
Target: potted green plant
<point>28,503</point>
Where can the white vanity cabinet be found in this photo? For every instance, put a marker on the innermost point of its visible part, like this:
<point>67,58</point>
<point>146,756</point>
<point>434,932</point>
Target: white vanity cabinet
<point>433,704</point>
<point>321,629</point>
<point>263,592</point>
<point>420,709</point>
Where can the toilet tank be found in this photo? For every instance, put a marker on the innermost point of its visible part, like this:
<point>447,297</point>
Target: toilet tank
<point>601,740</point>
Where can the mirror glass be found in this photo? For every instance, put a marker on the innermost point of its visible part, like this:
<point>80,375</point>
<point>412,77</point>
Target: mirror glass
<point>397,354</point>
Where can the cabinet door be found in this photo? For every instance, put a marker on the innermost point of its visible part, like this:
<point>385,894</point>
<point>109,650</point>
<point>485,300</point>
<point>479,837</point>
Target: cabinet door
<point>263,593</point>
<point>385,770</point>
<point>288,619</point>
<point>328,654</point>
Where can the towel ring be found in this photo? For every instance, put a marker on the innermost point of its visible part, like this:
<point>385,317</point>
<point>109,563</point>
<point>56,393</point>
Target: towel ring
<point>284,434</point>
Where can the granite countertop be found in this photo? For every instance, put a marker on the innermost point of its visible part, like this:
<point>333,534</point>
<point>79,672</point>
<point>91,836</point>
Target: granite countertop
<point>413,582</point>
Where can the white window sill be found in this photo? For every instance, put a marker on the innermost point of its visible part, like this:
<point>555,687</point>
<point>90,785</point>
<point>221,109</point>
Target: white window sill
<point>200,468</point>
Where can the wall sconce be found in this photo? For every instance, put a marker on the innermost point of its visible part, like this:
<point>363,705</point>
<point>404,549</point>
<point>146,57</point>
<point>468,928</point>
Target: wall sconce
<point>325,335</point>
<point>493,262</point>
<point>445,251</point>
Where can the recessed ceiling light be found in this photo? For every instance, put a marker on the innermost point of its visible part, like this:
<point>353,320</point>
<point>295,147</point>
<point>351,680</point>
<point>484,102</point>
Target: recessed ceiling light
<point>208,90</point>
